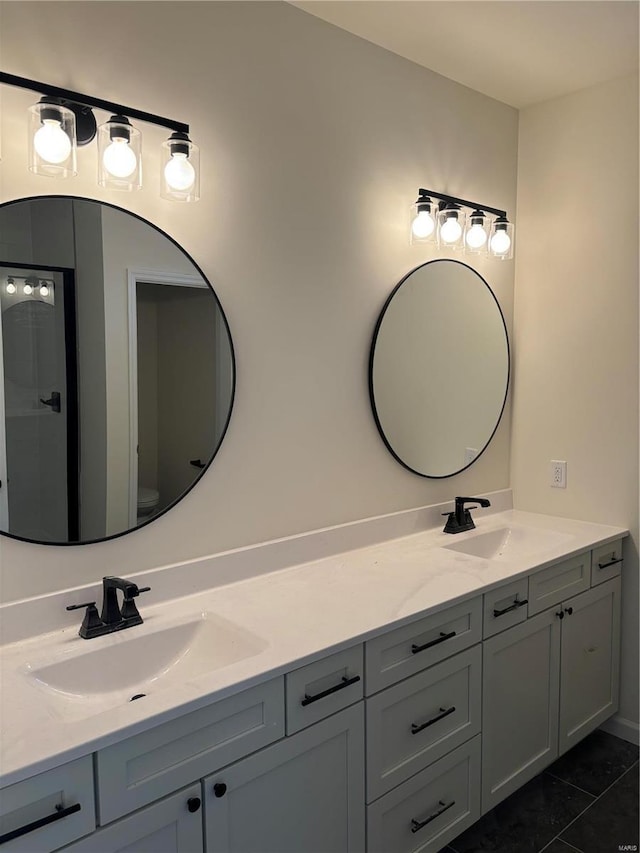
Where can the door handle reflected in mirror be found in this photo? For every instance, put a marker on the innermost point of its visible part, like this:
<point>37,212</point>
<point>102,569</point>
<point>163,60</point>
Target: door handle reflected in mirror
<point>53,401</point>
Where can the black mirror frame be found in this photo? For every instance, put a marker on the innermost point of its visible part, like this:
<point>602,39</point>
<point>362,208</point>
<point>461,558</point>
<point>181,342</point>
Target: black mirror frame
<point>372,354</point>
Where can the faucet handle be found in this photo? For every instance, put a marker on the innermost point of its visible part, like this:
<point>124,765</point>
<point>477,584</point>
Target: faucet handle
<point>129,610</point>
<point>91,622</point>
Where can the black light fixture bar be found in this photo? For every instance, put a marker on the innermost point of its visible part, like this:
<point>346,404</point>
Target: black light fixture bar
<point>449,199</point>
<point>88,101</point>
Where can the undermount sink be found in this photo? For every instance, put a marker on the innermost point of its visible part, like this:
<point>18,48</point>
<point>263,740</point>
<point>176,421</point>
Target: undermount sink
<point>108,671</point>
<point>507,542</point>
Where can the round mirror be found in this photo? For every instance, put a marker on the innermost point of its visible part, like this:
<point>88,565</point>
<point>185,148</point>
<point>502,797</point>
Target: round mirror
<point>117,371</point>
<point>439,368</point>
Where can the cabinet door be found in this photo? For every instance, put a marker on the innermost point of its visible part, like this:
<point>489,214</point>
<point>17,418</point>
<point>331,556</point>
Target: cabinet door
<point>304,794</point>
<point>589,677</point>
<point>172,825</point>
<point>521,669</point>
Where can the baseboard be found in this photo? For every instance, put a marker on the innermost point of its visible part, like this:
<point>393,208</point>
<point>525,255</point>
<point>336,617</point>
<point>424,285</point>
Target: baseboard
<point>625,729</point>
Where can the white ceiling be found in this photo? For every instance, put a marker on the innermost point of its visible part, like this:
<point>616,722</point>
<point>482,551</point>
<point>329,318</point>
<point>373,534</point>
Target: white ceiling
<point>517,51</point>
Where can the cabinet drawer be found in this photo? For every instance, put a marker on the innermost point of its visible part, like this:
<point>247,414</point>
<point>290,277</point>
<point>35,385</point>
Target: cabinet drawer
<point>150,765</point>
<point>606,562</point>
<point>323,687</point>
<point>505,607</point>
<point>430,809</point>
<point>419,720</point>
<point>25,805</point>
<point>559,582</point>
<point>172,825</point>
<point>414,647</point>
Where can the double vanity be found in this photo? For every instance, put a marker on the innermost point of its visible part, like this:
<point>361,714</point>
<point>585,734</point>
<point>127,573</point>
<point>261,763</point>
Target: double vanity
<point>381,699</point>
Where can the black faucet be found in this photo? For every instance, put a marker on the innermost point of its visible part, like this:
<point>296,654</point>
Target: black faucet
<point>113,617</point>
<point>460,519</point>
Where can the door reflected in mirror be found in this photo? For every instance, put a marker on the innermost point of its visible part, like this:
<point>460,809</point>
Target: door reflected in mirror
<point>117,371</point>
<point>439,368</point>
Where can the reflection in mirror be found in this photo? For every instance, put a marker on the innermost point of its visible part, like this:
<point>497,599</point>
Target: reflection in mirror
<point>117,371</point>
<point>439,368</point>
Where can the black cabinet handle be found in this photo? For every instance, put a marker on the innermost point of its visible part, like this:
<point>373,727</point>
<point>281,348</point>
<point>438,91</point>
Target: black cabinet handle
<point>219,789</point>
<point>560,615</point>
<point>514,606</point>
<point>59,813</point>
<point>344,683</point>
<point>418,824</point>
<point>610,563</point>
<point>193,804</point>
<point>568,610</point>
<point>444,712</point>
<point>415,649</point>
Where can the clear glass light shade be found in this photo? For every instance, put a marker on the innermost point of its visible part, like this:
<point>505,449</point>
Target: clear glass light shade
<point>450,229</point>
<point>180,169</point>
<point>423,223</point>
<point>476,233</point>
<point>52,139</point>
<point>119,155</point>
<point>501,239</point>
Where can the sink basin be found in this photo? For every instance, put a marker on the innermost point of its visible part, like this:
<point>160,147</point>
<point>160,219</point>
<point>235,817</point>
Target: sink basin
<point>508,542</point>
<point>90,676</point>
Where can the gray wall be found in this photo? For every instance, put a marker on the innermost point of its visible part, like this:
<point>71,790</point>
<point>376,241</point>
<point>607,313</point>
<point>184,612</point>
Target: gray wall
<point>314,143</point>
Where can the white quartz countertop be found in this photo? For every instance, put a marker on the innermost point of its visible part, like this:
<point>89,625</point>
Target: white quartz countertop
<point>281,620</point>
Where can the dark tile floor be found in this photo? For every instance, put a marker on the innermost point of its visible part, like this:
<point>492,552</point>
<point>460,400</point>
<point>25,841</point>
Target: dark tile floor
<point>586,802</point>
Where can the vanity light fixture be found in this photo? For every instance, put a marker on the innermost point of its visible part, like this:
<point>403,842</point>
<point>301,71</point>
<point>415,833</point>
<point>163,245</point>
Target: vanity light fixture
<point>44,286</point>
<point>62,120</point>
<point>480,230</point>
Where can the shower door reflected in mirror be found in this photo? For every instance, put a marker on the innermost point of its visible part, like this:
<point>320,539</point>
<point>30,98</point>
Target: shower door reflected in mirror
<point>39,402</point>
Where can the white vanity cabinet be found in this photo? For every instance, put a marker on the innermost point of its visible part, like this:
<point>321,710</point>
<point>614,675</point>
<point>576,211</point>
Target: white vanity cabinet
<point>547,683</point>
<point>258,789</point>
<point>304,794</point>
<point>396,745</point>
<point>172,825</point>
<point>423,722</point>
<point>590,662</point>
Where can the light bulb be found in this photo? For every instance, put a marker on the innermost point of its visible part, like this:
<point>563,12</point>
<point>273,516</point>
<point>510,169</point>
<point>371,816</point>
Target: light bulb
<point>423,225</point>
<point>500,243</point>
<point>179,173</point>
<point>476,236</point>
<point>450,230</point>
<point>27,290</point>
<point>11,288</point>
<point>51,142</point>
<point>44,290</point>
<point>118,158</point>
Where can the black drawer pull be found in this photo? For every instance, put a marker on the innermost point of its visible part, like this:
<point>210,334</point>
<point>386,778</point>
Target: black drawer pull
<point>610,563</point>
<point>514,606</point>
<point>418,824</point>
<point>444,712</point>
<point>344,683</point>
<point>415,649</point>
<point>59,813</point>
